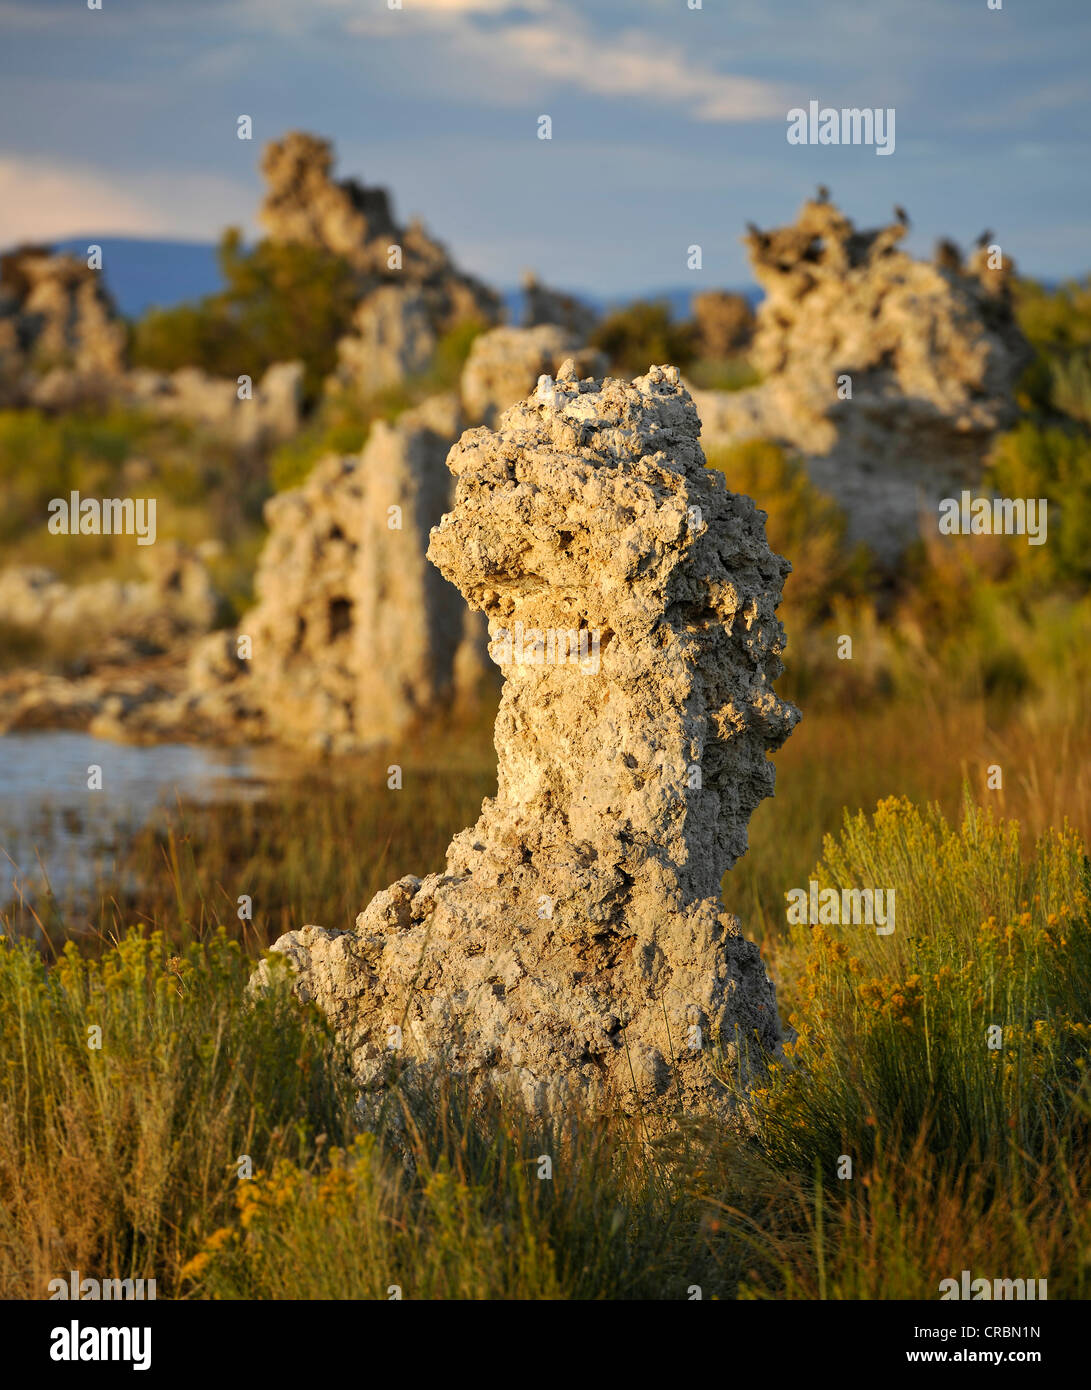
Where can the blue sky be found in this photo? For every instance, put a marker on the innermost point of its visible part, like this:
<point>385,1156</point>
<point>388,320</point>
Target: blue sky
<point>669,124</point>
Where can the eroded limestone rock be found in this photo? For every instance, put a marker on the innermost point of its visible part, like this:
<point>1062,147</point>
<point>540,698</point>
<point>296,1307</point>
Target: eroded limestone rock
<point>575,943</point>
<point>60,333</point>
<point>354,636</point>
<point>932,352</point>
<point>267,417</point>
<point>112,619</point>
<point>504,366</point>
<point>543,305</point>
<point>392,339</point>
<point>724,323</point>
<point>304,203</point>
<point>119,645</point>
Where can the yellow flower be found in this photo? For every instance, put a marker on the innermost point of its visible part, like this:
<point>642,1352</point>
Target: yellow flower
<point>193,1269</point>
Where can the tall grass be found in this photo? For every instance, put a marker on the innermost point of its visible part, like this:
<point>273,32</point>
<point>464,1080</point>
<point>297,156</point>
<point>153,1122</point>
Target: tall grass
<point>473,1201</point>
<point>130,1087</point>
<point>121,1160</point>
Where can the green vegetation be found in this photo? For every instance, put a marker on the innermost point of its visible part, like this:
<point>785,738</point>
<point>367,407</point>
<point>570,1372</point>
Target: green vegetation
<point>643,334</point>
<point>343,420</point>
<point>723,374</point>
<point>1055,463</point>
<point>280,302</point>
<point>1056,319</point>
<point>125,1151</point>
<point>893,1030</point>
<point>1058,325</point>
<point>205,491</point>
<point>122,1160</point>
<point>801,522</point>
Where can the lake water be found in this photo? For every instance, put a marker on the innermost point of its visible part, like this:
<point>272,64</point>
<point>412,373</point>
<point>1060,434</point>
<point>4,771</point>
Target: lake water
<point>47,810</point>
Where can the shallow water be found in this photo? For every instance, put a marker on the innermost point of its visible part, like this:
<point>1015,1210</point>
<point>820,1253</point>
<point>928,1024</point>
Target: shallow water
<point>50,820</point>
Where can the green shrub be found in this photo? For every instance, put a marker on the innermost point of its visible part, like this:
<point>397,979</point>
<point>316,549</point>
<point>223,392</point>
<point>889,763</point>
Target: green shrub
<point>723,374</point>
<point>42,457</point>
<point>452,350</point>
<point>1055,319</point>
<point>281,301</point>
<point>1070,385</point>
<point>1054,463</point>
<point>894,1030</point>
<point>643,335</point>
<point>469,1216</point>
<point>204,491</point>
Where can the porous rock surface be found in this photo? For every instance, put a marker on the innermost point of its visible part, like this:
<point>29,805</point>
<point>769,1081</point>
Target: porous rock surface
<point>575,944</point>
<point>932,349</point>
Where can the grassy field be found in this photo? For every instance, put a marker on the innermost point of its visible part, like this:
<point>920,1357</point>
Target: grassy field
<point>124,1159</point>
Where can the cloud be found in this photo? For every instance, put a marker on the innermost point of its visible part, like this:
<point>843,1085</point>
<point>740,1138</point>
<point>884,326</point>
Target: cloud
<point>556,45</point>
<point>293,18</point>
<point>636,65</point>
<point>46,202</point>
<point>472,6</point>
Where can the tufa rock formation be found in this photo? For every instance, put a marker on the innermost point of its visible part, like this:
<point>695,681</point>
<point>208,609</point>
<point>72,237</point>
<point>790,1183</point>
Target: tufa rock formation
<point>268,417</point>
<point>59,330</point>
<point>120,642</point>
<point>724,323</point>
<point>63,346</point>
<point>542,305</point>
<point>392,339</point>
<point>932,350</point>
<point>303,203</point>
<point>354,636</point>
<point>504,366</point>
<point>112,619</point>
<point>575,944</point>
<point>418,648</point>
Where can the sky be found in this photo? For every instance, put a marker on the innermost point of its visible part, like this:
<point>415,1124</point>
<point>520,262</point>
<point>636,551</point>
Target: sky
<point>669,124</point>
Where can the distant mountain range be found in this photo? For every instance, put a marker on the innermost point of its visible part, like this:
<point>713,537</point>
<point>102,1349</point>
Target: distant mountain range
<point>144,273</point>
<point>141,273</point>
